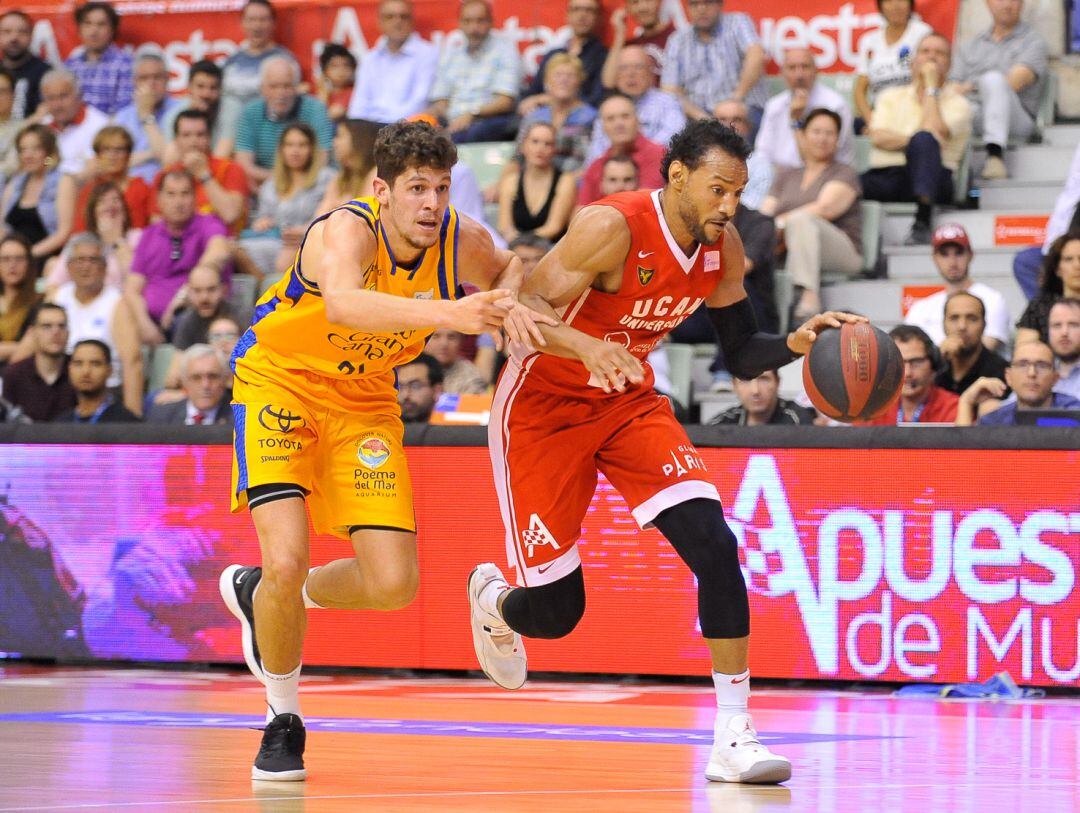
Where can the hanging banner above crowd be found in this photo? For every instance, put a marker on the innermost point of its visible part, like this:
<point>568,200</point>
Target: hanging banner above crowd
<point>189,30</point>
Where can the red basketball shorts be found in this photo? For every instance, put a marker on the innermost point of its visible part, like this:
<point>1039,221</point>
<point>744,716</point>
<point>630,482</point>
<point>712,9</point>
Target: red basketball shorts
<point>546,450</point>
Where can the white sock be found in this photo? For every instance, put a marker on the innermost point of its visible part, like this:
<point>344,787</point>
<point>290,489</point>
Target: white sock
<point>308,603</point>
<point>732,696</point>
<point>282,693</point>
<point>489,601</point>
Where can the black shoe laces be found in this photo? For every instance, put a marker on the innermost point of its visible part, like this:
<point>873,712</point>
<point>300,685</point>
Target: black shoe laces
<point>281,737</point>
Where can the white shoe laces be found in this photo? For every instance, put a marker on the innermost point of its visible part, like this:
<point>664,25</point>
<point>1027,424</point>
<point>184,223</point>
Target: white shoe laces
<point>744,736</point>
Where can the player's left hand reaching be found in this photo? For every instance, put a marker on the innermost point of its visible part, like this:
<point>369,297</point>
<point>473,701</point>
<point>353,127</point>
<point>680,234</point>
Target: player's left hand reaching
<point>803,337</point>
<point>522,325</point>
<point>481,312</point>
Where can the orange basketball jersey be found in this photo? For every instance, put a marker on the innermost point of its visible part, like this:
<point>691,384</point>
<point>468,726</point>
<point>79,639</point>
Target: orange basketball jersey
<point>660,288</point>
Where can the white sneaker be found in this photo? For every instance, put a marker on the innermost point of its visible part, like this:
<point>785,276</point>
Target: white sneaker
<point>737,756</point>
<point>498,648</point>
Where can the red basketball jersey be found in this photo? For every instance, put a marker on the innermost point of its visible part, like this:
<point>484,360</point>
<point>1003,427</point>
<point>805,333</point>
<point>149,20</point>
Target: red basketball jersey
<point>660,288</point>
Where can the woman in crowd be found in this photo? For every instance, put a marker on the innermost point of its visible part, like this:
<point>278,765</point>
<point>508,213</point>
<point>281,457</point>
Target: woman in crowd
<point>566,112</point>
<point>107,215</point>
<point>536,197</point>
<point>885,54</point>
<point>288,200</point>
<point>1060,278</point>
<point>816,208</point>
<point>39,201</point>
<point>18,296</point>
<point>112,153</point>
<point>354,151</point>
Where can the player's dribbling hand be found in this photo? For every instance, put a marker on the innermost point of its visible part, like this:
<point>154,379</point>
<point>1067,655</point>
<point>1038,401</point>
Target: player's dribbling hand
<point>801,339</point>
<point>479,312</point>
<point>611,365</point>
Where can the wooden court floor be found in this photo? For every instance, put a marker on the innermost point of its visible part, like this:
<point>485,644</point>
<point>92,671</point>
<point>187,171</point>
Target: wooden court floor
<point>132,740</point>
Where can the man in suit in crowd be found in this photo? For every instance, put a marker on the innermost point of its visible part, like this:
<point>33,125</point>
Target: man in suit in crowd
<point>204,376</point>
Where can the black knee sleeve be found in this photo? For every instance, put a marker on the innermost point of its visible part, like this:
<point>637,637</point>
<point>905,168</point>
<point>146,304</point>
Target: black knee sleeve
<point>549,611</point>
<point>272,492</point>
<point>701,537</point>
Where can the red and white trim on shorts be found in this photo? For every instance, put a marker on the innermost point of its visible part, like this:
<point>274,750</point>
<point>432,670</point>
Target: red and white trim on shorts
<point>548,572</point>
<point>671,496</point>
<point>506,391</point>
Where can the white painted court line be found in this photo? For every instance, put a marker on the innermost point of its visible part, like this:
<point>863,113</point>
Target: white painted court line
<point>757,790</point>
<point>428,795</point>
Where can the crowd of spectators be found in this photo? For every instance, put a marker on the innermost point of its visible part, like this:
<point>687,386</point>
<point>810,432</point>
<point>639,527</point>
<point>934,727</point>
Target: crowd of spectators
<point>130,216</point>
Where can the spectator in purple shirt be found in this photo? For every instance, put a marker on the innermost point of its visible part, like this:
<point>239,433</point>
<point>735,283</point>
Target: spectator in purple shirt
<point>169,249</point>
<point>105,72</point>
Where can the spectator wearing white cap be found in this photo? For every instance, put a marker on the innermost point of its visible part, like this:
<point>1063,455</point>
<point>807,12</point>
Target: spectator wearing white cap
<point>952,255</point>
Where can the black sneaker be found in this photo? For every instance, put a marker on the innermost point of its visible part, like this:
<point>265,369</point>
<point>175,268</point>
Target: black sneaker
<point>281,755</point>
<point>237,586</point>
<point>919,235</point>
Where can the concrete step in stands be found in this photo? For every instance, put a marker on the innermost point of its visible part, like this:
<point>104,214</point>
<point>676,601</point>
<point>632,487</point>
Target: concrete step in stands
<point>1037,163</point>
<point>881,300</point>
<point>978,223</point>
<point>915,263</point>
<point>1015,193</point>
<point>1062,135</point>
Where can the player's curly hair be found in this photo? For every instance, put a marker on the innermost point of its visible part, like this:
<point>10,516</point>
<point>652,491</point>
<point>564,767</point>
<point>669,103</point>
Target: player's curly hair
<point>408,144</point>
<point>690,145</point>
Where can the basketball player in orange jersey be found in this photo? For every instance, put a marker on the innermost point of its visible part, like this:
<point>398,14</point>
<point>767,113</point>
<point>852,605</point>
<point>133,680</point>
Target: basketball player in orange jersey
<point>631,267</point>
<point>316,411</point>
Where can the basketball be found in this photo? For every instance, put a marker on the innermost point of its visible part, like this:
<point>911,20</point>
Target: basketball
<point>854,373</point>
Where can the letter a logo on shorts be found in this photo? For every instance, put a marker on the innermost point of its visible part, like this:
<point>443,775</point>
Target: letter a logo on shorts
<point>537,534</point>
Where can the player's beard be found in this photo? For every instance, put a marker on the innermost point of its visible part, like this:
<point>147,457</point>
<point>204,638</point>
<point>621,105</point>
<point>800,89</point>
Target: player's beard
<point>412,240</point>
<point>691,218</point>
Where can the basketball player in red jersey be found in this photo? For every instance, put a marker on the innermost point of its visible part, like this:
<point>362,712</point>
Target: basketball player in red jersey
<point>631,267</point>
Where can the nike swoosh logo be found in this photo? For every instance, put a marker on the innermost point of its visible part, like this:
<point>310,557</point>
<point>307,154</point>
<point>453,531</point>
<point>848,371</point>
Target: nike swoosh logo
<point>546,568</point>
<point>740,680</point>
<point>239,580</point>
<point>643,254</point>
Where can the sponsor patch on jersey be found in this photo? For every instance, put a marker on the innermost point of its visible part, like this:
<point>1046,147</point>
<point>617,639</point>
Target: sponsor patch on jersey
<point>428,294</point>
<point>712,261</point>
<point>644,274</point>
<point>373,452</point>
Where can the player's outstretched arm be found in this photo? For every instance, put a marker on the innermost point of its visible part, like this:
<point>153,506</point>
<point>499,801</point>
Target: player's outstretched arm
<point>748,352</point>
<point>591,254</point>
<point>485,266</point>
<point>340,249</point>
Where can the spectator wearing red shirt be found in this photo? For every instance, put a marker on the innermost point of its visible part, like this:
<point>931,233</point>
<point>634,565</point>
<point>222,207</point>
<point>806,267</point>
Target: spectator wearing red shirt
<point>921,400</point>
<point>618,118</point>
<point>337,66</point>
<point>112,155</point>
<point>221,186</point>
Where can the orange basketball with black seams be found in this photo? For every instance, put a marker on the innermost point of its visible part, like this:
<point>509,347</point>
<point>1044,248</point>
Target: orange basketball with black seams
<point>854,373</point>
